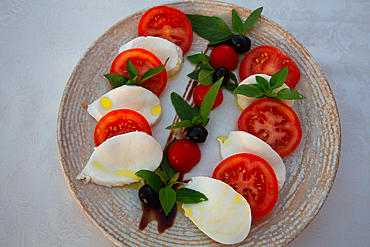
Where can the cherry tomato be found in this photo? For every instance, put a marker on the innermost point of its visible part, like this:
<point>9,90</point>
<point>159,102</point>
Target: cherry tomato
<point>168,23</point>
<point>118,122</point>
<point>224,56</point>
<point>142,60</point>
<point>253,178</point>
<point>200,92</point>
<point>274,122</point>
<point>269,60</point>
<point>183,155</point>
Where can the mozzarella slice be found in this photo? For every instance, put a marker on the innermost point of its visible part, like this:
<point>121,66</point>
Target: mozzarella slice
<point>161,48</point>
<point>244,101</point>
<point>225,217</point>
<point>131,97</point>
<point>115,161</point>
<point>243,142</point>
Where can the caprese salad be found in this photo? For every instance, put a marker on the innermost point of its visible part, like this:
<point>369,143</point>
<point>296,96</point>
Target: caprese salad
<point>246,183</point>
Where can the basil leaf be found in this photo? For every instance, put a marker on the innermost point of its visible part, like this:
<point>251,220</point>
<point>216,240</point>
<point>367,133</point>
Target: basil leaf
<point>195,110</point>
<point>237,23</point>
<point>202,60</point>
<point>278,79</point>
<point>196,120</point>
<point>250,90</point>
<point>211,28</point>
<point>252,18</point>
<point>263,83</point>
<point>208,101</point>
<point>233,77</point>
<point>162,175</point>
<point>132,81</point>
<point>231,86</point>
<point>152,72</point>
<point>182,108</point>
<point>182,124</point>
<point>165,165</point>
<point>131,70</point>
<point>189,196</point>
<point>151,178</point>
<point>289,94</point>
<point>205,77</point>
<point>173,182</point>
<point>167,198</point>
<point>194,74</point>
<point>116,80</point>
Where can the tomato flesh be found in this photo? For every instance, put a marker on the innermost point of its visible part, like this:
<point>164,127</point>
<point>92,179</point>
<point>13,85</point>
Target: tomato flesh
<point>273,122</point>
<point>183,155</point>
<point>168,23</point>
<point>253,178</point>
<point>200,92</point>
<point>269,60</point>
<point>118,122</point>
<point>142,60</point>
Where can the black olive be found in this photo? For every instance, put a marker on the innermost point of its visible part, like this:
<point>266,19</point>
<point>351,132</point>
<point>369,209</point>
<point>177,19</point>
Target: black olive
<point>149,197</point>
<point>221,72</point>
<point>197,134</point>
<point>240,43</point>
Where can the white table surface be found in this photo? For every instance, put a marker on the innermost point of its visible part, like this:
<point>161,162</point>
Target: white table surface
<point>41,42</point>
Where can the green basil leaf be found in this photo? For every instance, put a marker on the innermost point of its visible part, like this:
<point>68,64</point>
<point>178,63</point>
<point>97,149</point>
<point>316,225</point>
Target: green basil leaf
<point>289,94</point>
<point>196,120</point>
<point>116,80</point>
<point>263,83</point>
<point>165,165</point>
<point>132,81</point>
<point>194,75</point>
<point>202,60</point>
<point>152,72</point>
<point>250,90</point>
<point>233,77</point>
<point>211,28</point>
<point>252,18</point>
<point>237,23</point>
<point>131,70</point>
<point>208,101</point>
<point>195,111</point>
<point>173,182</point>
<point>205,77</point>
<point>182,108</point>
<point>167,198</point>
<point>278,79</point>
<point>231,86</point>
<point>189,196</point>
<point>182,124</point>
<point>151,178</point>
<point>162,175</point>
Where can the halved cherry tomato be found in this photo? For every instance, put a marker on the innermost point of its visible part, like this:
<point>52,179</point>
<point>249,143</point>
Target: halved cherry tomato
<point>224,56</point>
<point>200,92</point>
<point>142,60</point>
<point>183,155</point>
<point>269,60</point>
<point>274,122</point>
<point>253,178</point>
<point>168,23</point>
<point>118,122</point>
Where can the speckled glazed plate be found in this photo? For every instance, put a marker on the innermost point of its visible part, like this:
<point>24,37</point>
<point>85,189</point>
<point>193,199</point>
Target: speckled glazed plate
<point>116,212</point>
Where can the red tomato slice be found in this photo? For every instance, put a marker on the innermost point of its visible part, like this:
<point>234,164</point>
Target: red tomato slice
<point>168,23</point>
<point>274,122</point>
<point>253,178</point>
<point>142,60</point>
<point>269,60</point>
<point>200,92</point>
<point>118,122</point>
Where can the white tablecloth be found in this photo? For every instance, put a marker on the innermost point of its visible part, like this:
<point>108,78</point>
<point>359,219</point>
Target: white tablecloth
<point>40,43</point>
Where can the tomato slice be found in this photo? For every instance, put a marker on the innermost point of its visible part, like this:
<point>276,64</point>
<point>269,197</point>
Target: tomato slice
<point>118,122</point>
<point>253,178</point>
<point>168,23</point>
<point>142,60</point>
<point>200,92</point>
<point>269,60</point>
<point>274,122</point>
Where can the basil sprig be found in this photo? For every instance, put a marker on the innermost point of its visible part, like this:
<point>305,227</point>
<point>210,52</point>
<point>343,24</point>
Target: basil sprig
<point>161,182</point>
<point>117,80</point>
<point>194,116</point>
<point>264,88</point>
<point>216,30</point>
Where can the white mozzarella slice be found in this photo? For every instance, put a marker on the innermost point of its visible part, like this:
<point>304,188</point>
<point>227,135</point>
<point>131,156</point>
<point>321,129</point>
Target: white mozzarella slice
<point>115,161</point>
<point>131,97</point>
<point>243,142</point>
<point>225,217</point>
<point>161,48</point>
<point>244,101</point>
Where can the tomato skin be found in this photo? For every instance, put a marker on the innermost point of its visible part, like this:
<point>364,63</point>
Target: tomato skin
<point>183,155</point>
<point>118,122</point>
<point>253,178</point>
<point>273,122</point>
<point>200,92</point>
<point>224,56</point>
<point>142,60</point>
<point>168,23</point>
<point>269,60</point>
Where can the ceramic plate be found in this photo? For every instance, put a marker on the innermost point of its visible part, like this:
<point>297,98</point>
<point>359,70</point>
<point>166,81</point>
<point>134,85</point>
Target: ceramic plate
<point>116,212</point>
